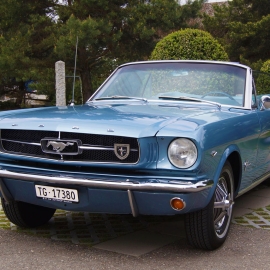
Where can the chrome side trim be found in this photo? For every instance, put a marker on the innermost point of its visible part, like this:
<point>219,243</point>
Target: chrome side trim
<point>254,184</point>
<point>173,186</point>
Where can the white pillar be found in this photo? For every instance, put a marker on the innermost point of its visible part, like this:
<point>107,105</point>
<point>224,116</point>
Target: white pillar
<point>60,83</point>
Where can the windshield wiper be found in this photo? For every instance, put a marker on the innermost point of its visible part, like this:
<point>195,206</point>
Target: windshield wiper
<point>120,97</point>
<point>191,99</point>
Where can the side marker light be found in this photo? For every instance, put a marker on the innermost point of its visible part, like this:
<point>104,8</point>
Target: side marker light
<point>177,204</point>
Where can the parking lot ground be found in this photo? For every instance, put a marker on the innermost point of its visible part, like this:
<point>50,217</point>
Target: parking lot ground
<point>116,241</point>
<point>252,210</point>
<point>245,248</point>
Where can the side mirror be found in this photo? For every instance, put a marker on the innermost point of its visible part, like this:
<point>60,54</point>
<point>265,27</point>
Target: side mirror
<point>264,103</point>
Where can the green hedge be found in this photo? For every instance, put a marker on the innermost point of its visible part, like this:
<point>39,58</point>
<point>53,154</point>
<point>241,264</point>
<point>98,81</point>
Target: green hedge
<point>190,44</point>
<point>263,79</point>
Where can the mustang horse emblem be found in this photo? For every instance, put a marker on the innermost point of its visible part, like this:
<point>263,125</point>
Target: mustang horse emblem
<point>58,146</point>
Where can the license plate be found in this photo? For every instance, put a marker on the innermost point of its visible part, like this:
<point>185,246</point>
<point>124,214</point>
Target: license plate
<point>57,194</point>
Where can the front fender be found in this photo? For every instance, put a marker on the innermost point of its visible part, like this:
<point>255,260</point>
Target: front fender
<point>223,157</point>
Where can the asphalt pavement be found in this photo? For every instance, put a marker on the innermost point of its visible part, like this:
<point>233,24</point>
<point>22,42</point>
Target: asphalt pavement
<point>144,244</point>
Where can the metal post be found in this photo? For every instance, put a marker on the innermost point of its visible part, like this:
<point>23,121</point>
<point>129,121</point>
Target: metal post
<point>60,83</point>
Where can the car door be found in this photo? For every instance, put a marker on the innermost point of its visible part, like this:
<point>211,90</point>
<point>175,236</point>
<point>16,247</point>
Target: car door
<point>262,106</point>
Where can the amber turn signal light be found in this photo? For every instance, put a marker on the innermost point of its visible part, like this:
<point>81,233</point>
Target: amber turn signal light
<point>177,204</point>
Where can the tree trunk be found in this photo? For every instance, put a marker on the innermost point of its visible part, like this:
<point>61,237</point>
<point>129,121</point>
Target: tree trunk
<point>20,93</point>
<point>87,88</point>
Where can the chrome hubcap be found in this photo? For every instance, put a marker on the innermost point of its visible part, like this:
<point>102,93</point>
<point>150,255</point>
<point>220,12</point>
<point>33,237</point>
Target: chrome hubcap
<point>222,207</point>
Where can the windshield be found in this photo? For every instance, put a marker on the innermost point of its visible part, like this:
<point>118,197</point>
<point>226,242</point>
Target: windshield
<point>220,83</point>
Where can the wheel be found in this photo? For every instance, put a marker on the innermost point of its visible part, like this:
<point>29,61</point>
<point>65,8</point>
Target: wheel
<point>208,228</point>
<point>25,214</point>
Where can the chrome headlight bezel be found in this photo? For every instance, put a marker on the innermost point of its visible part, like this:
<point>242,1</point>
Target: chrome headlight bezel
<point>182,153</point>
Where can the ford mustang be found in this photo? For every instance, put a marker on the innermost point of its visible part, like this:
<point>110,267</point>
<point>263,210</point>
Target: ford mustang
<point>156,138</point>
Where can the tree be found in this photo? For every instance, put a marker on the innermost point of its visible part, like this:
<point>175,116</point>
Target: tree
<point>242,27</point>
<point>189,44</point>
<point>35,34</point>
<point>250,40</point>
<point>115,31</point>
<point>25,41</point>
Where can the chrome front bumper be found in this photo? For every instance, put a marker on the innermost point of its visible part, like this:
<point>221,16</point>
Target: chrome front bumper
<point>128,185</point>
<point>168,186</point>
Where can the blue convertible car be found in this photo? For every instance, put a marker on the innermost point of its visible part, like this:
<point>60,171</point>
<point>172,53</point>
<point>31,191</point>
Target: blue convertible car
<point>157,138</point>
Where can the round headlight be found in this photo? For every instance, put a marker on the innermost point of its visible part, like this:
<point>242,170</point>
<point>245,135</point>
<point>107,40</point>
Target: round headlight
<point>182,153</point>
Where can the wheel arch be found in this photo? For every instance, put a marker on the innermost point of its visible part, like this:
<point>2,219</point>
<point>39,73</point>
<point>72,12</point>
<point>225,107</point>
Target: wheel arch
<point>232,155</point>
<point>235,161</point>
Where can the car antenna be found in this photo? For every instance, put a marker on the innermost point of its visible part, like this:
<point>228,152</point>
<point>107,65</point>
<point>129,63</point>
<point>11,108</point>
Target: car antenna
<point>74,76</point>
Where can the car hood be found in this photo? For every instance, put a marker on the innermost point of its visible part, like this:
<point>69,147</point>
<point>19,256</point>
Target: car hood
<point>130,119</point>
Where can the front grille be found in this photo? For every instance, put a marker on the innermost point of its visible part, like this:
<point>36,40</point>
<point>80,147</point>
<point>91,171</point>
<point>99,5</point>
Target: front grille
<point>95,148</point>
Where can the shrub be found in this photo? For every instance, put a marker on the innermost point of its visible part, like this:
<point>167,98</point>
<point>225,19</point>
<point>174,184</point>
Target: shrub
<point>8,105</point>
<point>263,79</point>
<point>190,44</point>
<point>266,66</point>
